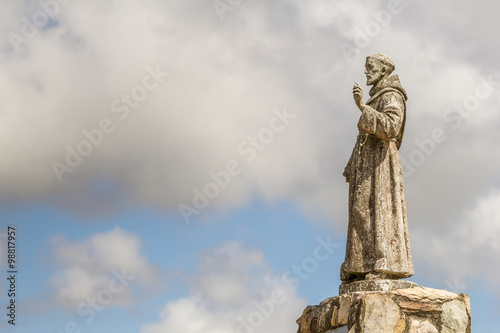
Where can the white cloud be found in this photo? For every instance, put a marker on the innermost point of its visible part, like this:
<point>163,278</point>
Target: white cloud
<point>105,261</point>
<point>232,291</point>
<point>225,79</point>
<point>466,250</point>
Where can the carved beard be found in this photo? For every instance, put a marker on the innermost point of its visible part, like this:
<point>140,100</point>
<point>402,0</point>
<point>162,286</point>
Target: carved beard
<point>373,78</point>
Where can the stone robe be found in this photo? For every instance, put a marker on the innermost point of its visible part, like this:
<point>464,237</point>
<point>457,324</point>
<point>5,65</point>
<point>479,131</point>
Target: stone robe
<point>377,239</point>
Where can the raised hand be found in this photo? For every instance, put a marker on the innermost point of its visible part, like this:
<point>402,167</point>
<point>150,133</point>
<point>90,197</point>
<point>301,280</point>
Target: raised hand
<point>357,93</point>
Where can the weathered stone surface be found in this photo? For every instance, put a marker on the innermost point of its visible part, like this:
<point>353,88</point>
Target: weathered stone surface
<point>400,326</point>
<point>342,329</point>
<point>308,322</point>
<point>454,317</point>
<point>325,314</point>
<point>414,310</point>
<point>344,307</point>
<point>422,327</point>
<point>467,304</point>
<point>375,285</point>
<point>335,317</point>
<point>415,307</point>
<point>423,294</point>
<point>381,314</point>
<point>378,245</point>
<point>323,317</point>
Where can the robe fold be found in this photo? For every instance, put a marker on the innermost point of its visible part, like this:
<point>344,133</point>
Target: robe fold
<point>377,238</point>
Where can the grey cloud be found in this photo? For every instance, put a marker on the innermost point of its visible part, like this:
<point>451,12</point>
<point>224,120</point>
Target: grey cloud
<point>225,78</point>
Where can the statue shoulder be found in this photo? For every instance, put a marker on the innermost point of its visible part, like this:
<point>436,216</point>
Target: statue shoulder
<point>387,94</point>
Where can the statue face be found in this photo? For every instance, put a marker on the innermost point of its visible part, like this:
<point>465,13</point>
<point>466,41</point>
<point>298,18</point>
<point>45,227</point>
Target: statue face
<point>374,71</point>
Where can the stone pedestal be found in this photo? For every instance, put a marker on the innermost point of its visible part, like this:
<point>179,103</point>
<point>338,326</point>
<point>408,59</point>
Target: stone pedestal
<point>410,310</point>
<point>375,285</point>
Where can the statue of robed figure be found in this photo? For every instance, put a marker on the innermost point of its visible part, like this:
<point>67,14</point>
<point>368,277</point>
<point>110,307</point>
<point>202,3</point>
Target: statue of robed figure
<point>378,245</point>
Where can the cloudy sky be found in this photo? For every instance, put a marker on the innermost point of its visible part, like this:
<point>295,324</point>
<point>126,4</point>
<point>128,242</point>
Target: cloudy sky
<point>176,166</point>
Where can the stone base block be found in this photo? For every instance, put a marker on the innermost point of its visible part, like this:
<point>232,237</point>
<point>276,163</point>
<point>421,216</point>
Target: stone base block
<point>375,285</point>
<point>411,310</point>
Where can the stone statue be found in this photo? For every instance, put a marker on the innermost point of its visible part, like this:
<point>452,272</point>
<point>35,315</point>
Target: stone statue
<point>372,298</point>
<point>378,244</point>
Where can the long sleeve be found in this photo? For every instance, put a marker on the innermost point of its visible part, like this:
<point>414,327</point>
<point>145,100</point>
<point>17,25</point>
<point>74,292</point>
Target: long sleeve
<point>347,169</point>
<point>387,123</point>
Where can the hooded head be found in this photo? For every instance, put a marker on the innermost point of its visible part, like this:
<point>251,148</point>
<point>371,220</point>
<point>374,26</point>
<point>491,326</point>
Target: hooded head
<point>377,68</point>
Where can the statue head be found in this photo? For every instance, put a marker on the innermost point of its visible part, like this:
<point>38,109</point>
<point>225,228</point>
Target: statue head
<point>378,67</point>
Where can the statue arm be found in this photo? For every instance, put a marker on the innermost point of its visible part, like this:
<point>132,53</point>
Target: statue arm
<point>386,123</point>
